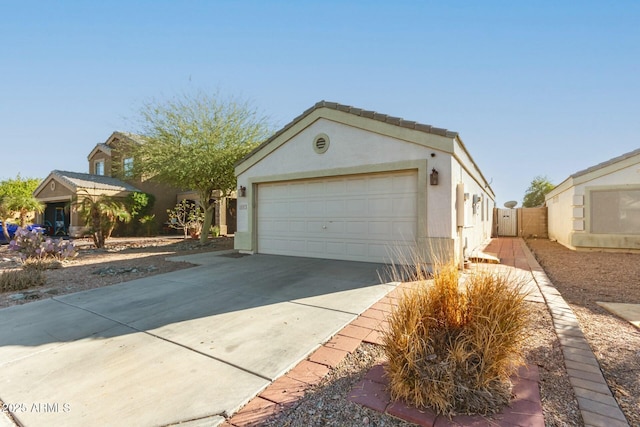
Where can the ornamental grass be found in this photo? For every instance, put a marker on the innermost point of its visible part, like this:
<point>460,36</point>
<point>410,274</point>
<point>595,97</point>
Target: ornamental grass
<point>17,280</point>
<point>454,340</point>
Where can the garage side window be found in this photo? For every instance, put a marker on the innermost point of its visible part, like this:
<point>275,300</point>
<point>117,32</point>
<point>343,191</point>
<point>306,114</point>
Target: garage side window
<point>615,211</point>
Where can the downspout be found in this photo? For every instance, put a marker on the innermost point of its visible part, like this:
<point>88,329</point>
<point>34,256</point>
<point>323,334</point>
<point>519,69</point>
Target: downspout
<point>460,222</point>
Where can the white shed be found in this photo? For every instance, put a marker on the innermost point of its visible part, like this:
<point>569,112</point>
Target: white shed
<point>599,207</point>
<point>340,182</point>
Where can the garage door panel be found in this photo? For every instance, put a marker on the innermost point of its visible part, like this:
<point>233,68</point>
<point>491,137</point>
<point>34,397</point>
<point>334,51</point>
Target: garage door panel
<point>352,217</point>
<point>356,228</point>
<point>335,208</point>
<point>316,247</point>
<point>336,187</point>
<point>356,185</point>
<point>379,229</point>
<point>404,206</point>
<point>280,226</point>
<point>297,227</point>
<point>381,206</point>
<point>357,250</point>
<point>336,248</point>
<point>315,227</point>
<point>401,184</point>
<point>380,185</point>
<point>295,209</point>
<point>356,206</point>
<point>314,207</point>
<point>296,189</point>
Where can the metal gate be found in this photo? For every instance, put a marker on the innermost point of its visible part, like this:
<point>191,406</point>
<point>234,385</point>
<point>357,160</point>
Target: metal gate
<point>507,223</point>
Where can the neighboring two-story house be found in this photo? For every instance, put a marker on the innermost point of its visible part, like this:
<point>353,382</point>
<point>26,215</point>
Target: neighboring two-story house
<point>110,174</point>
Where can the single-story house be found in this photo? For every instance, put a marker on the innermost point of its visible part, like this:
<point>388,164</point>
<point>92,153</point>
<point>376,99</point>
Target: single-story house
<point>599,207</point>
<point>60,188</point>
<point>340,182</point>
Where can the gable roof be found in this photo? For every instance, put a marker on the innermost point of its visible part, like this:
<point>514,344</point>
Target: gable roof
<point>127,136</point>
<point>76,181</point>
<point>369,114</point>
<point>396,127</point>
<point>105,147</point>
<point>601,169</point>
<point>100,147</point>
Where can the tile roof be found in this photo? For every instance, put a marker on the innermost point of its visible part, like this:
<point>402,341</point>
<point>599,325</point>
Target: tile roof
<point>606,163</point>
<point>79,180</point>
<point>397,121</point>
<point>370,114</point>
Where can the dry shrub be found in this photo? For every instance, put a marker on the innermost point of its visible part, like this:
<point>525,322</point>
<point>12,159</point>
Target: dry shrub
<point>452,347</point>
<point>16,280</point>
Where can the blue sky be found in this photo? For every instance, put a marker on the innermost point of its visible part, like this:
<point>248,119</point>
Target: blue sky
<point>533,88</point>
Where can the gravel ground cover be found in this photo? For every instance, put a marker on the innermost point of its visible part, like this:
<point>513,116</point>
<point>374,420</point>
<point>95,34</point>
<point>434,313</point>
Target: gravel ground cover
<point>122,260</point>
<point>583,278</point>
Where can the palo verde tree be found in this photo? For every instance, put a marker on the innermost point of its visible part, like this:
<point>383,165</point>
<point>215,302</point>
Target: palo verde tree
<point>193,143</point>
<point>16,199</point>
<point>534,196</point>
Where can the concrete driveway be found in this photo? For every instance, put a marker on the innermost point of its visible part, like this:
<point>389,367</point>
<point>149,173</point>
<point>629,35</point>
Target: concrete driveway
<point>191,345</point>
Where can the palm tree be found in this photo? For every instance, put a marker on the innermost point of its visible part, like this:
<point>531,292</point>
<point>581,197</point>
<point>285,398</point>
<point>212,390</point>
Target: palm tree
<point>101,214</point>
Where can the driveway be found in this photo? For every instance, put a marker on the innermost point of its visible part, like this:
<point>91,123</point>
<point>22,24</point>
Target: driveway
<point>192,345</point>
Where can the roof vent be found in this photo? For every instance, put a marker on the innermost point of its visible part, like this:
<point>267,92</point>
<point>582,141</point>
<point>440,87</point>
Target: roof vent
<point>321,143</point>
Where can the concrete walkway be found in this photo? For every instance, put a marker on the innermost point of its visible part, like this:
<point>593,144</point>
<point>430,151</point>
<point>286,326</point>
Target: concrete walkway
<point>189,346</point>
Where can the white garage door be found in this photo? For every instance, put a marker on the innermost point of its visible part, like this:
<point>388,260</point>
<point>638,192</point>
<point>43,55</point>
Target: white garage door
<point>357,217</point>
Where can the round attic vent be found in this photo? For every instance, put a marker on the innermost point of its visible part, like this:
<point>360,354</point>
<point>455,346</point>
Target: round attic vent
<point>321,143</point>
<point>53,185</point>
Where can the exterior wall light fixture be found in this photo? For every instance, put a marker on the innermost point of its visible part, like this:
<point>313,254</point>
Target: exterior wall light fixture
<point>433,177</point>
<point>242,191</point>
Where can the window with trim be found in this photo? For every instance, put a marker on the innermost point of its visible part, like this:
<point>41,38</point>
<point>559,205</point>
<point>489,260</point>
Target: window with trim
<point>127,167</point>
<point>99,167</point>
<point>615,211</point>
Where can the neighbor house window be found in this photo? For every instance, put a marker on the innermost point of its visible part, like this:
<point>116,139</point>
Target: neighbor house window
<point>127,167</point>
<point>615,211</point>
<point>99,167</point>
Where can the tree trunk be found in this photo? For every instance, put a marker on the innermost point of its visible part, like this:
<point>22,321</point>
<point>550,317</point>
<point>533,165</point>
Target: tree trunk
<point>208,220</point>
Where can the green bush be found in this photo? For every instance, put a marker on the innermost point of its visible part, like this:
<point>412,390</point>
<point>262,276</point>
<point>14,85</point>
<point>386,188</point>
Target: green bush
<point>16,280</point>
<point>452,347</point>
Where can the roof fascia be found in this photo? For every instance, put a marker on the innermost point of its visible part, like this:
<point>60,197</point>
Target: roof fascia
<point>475,174</point>
<point>48,179</point>
<point>97,148</point>
<point>607,169</point>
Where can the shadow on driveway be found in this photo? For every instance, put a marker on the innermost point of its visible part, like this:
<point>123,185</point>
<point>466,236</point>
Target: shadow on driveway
<point>202,341</point>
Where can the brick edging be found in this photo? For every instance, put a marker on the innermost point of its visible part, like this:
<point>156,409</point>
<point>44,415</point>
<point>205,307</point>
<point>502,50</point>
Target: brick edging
<point>595,400</point>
